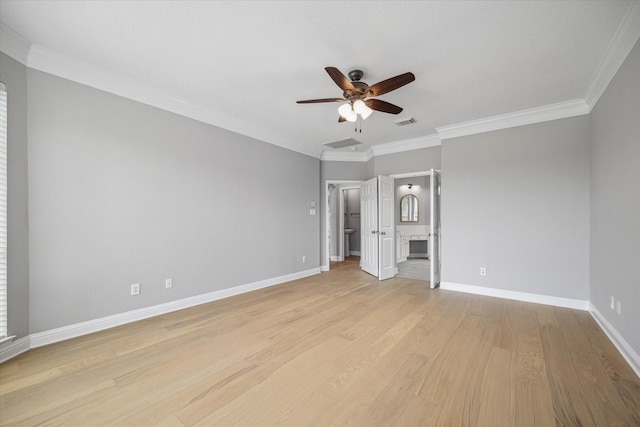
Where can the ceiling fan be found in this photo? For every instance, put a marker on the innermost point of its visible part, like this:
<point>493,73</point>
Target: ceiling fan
<point>359,97</point>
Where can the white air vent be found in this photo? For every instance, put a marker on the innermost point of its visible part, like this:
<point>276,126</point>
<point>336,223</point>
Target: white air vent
<point>349,142</point>
<point>405,121</point>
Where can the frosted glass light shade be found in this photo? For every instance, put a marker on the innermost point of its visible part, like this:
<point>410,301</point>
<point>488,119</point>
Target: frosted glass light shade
<point>347,112</point>
<point>361,108</point>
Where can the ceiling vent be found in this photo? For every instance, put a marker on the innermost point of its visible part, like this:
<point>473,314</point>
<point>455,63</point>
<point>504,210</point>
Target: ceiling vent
<point>405,121</point>
<point>349,142</point>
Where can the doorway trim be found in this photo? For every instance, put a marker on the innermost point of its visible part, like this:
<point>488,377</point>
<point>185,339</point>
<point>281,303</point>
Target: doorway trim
<point>341,211</point>
<point>327,210</point>
<point>411,175</point>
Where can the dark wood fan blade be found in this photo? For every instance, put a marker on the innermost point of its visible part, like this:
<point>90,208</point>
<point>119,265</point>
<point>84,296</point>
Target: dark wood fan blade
<point>384,106</point>
<point>341,80</point>
<point>390,84</point>
<point>315,101</point>
<point>341,119</point>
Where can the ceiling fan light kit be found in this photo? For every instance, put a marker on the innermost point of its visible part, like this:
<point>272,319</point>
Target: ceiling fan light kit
<point>351,110</point>
<point>360,97</point>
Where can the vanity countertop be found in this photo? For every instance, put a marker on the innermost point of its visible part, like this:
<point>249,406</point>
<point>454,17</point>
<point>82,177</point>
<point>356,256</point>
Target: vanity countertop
<point>414,232</point>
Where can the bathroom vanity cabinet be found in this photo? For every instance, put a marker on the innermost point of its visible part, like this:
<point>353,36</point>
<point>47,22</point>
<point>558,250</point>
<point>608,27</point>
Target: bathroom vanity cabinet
<point>403,246</point>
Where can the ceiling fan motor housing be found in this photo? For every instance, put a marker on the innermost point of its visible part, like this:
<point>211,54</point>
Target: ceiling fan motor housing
<point>355,75</point>
<point>361,87</point>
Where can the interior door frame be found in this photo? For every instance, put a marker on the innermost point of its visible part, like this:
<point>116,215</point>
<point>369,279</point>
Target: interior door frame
<point>341,255</point>
<point>434,230</point>
<point>428,173</point>
<point>327,210</point>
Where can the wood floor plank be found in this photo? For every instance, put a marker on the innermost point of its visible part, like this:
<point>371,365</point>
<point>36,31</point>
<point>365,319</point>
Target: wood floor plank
<point>397,393</point>
<point>533,401</point>
<point>496,394</point>
<point>272,398</point>
<point>340,348</point>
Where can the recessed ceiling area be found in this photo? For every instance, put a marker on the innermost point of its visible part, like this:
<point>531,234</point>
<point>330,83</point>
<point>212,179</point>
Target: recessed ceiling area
<point>242,65</point>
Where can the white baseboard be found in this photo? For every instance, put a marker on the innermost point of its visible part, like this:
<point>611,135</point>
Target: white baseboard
<point>324,268</point>
<point>518,296</point>
<point>355,253</point>
<point>66,332</point>
<point>623,347</point>
<point>14,348</point>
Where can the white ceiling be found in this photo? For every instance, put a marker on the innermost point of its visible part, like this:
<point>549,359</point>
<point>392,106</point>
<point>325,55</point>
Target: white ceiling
<point>242,65</point>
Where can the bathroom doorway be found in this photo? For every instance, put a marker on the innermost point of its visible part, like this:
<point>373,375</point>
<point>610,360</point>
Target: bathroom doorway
<point>342,236</point>
<point>418,236</point>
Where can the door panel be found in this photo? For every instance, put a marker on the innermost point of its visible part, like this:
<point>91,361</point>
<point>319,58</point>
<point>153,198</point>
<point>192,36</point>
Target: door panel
<point>386,227</point>
<point>369,226</point>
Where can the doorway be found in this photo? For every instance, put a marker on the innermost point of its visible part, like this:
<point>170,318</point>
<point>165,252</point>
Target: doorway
<point>417,236</point>
<point>342,212</point>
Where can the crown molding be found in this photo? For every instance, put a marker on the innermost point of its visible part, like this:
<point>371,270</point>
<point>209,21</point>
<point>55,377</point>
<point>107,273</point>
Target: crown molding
<point>60,65</point>
<point>623,41</point>
<point>407,145</point>
<point>561,110</point>
<point>14,45</point>
<point>347,156</point>
<point>52,62</point>
<point>42,59</point>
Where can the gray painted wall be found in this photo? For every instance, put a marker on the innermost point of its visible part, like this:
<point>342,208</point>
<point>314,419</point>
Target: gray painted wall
<point>121,193</point>
<point>516,201</point>
<point>408,161</point>
<point>615,200</point>
<point>348,171</point>
<point>14,75</point>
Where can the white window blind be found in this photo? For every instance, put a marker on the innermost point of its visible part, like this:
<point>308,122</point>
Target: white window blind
<point>3,211</point>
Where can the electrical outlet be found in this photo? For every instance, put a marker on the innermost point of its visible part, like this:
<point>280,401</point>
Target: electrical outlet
<point>168,283</point>
<point>483,271</point>
<point>612,303</point>
<point>619,307</point>
<point>304,258</point>
<point>135,289</point>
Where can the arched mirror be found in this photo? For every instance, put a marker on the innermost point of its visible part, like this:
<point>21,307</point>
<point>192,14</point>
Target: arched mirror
<point>409,208</point>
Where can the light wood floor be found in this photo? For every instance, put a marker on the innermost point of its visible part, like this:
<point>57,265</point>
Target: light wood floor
<point>335,349</point>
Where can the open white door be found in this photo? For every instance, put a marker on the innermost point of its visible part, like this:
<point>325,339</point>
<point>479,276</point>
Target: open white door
<point>434,231</point>
<point>377,248</point>
<point>369,226</point>
<point>386,226</point>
